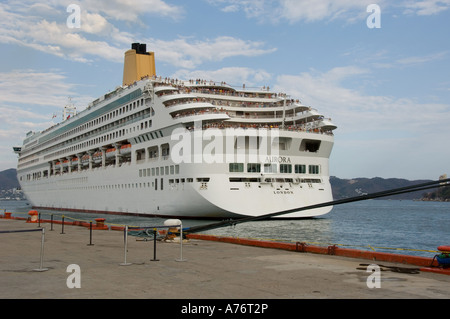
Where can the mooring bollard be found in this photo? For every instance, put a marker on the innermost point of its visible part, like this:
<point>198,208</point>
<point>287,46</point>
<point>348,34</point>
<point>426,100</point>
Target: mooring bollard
<point>33,216</point>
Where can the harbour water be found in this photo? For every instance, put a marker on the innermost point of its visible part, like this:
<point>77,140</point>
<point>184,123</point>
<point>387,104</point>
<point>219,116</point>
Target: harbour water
<point>405,227</point>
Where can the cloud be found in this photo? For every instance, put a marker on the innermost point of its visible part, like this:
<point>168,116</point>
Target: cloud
<point>426,7</point>
<point>188,54</point>
<point>24,89</point>
<point>53,37</point>
<point>422,59</point>
<point>132,10</point>
<point>99,37</point>
<point>317,10</point>
<point>43,27</point>
<point>354,110</point>
<point>28,100</point>
<point>298,10</point>
<point>293,11</point>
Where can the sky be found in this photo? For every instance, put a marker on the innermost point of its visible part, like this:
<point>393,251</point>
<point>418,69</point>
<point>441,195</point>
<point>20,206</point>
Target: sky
<point>379,69</point>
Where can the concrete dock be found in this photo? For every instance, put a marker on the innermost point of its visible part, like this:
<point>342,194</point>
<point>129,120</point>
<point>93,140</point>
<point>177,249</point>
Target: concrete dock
<point>210,270</point>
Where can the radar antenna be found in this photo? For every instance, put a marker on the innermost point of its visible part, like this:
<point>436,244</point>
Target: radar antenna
<point>69,110</point>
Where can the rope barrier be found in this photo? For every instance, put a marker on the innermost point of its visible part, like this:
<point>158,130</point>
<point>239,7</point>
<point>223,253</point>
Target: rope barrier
<point>42,230</point>
<point>140,231</point>
<point>19,231</point>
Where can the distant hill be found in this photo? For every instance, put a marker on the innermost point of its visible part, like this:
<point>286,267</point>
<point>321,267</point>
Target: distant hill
<point>8,179</point>
<point>346,188</point>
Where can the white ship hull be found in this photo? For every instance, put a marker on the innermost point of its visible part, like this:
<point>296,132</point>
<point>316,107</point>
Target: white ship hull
<point>187,149</point>
<point>201,190</point>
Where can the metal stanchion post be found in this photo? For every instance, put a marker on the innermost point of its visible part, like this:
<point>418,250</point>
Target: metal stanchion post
<point>154,246</point>
<point>181,244</point>
<point>62,225</point>
<point>51,222</point>
<point>42,252</point>
<point>125,235</point>
<point>90,234</point>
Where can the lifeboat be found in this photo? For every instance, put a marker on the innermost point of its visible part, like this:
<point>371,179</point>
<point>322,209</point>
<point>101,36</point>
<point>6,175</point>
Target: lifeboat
<point>85,160</point>
<point>125,149</point>
<point>97,157</point>
<point>75,160</point>
<point>110,152</point>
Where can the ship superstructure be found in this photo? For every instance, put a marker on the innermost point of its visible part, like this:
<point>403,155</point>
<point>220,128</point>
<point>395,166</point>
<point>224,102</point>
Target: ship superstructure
<point>185,148</point>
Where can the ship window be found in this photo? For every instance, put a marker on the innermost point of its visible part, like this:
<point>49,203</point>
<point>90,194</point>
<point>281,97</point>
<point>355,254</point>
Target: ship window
<point>300,169</point>
<point>140,154</point>
<point>314,169</point>
<point>165,150</point>
<point>282,143</point>
<point>236,167</point>
<point>162,185</point>
<point>253,168</point>
<point>153,151</point>
<point>285,168</point>
<point>310,146</point>
<point>177,169</point>
<point>270,168</point>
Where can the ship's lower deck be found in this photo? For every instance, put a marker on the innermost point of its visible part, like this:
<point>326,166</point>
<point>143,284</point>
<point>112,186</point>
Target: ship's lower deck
<point>160,180</point>
<point>121,191</point>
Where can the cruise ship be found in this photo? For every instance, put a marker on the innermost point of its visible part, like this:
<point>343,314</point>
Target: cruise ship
<point>189,148</point>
